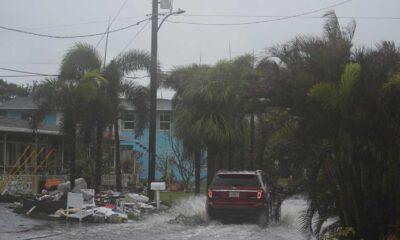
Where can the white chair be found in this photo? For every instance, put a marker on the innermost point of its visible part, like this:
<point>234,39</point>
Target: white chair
<point>76,201</point>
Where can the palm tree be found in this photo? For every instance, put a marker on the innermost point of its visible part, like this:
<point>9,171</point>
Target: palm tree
<point>97,117</point>
<point>77,61</point>
<point>345,124</point>
<point>74,100</point>
<point>233,105</point>
<point>83,57</point>
<point>209,114</point>
<point>137,95</point>
<point>105,107</point>
<point>181,79</point>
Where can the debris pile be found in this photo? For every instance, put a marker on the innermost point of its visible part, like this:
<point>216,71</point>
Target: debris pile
<point>131,204</point>
<point>136,204</point>
<point>60,201</point>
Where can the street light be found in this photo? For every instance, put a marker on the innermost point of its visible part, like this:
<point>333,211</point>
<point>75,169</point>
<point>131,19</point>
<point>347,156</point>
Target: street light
<point>180,11</point>
<point>153,93</point>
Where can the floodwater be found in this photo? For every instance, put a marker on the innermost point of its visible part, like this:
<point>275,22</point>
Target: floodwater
<point>185,220</point>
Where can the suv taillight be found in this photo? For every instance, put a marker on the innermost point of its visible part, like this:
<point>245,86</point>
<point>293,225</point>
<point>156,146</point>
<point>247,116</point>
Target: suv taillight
<point>210,194</point>
<point>259,194</point>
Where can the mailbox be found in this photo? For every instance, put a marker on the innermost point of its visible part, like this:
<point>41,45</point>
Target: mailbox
<point>157,186</point>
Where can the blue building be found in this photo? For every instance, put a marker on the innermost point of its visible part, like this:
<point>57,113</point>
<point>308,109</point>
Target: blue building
<point>23,150</point>
<point>133,151</point>
<point>139,146</point>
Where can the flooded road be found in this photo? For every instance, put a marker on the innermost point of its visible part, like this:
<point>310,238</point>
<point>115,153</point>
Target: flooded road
<point>185,220</point>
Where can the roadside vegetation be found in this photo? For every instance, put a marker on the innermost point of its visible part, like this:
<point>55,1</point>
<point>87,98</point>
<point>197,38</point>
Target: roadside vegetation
<point>316,110</point>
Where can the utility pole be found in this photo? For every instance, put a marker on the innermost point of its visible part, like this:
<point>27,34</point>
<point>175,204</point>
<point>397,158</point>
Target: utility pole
<point>153,99</point>
<point>105,49</point>
<point>153,92</point>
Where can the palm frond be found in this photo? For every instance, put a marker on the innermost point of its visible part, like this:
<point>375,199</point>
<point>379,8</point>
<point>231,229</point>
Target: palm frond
<point>332,26</point>
<point>182,76</point>
<point>326,94</point>
<point>286,132</point>
<point>134,60</point>
<point>138,96</point>
<point>79,58</point>
<point>350,77</point>
<point>392,83</point>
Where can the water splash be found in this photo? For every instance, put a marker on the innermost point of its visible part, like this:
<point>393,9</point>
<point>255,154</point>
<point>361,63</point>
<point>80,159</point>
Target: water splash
<point>190,211</point>
<point>292,209</point>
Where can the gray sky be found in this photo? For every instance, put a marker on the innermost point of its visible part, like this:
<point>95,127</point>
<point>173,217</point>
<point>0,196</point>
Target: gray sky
<point>179,44</point>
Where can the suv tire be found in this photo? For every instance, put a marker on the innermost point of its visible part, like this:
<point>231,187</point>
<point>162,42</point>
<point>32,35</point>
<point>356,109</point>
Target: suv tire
<point>211,214</point>
<point>263,218</point>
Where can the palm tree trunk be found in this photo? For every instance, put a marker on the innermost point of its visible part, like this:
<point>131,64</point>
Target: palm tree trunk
<point>99,155</point>
<point>252,141</point>
<point>211,159</point>
<point>117,156</point>
<point>197,157</point>
<point>71,157</point>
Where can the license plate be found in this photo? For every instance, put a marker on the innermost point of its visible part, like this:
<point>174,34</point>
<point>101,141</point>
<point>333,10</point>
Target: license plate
<point>233,194</point>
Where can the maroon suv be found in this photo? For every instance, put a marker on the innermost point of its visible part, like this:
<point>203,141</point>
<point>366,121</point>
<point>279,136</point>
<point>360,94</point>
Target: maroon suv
<point>241,193</point>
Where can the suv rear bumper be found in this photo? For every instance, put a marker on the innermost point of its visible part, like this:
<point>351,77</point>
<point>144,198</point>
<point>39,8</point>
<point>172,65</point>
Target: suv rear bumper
<point>230,210</point>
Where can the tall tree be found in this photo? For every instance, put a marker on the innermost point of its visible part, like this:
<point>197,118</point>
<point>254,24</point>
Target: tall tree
<point>209,114</point>
<point>9,90</point>
<point>97,116</point>
<point>344,128</point>
<point>77,61</point>
<point>105,106</point>
<point>74,101</point>
<point>137,95</point>
<point>181,79</point>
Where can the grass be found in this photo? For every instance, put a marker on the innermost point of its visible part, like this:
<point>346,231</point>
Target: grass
<point>283,182</point>
<point>168,198</point>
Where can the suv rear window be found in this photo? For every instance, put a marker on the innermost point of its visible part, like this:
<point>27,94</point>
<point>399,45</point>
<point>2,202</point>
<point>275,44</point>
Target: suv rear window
<point>236,180</point>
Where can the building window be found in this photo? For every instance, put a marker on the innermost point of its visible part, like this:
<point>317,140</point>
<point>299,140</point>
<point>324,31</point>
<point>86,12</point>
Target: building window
<point>26,116</point>
<point>165,121</point>
<point>129,120</point>
<point>3,113</point>
<point>2,160</point>
<point>11,154</point>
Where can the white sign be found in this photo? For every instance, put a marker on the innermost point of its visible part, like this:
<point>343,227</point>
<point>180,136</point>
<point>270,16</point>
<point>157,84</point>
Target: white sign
<point>157,186</point>
<point>166,4</point>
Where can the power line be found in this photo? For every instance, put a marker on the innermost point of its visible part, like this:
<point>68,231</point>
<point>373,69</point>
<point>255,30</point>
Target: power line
<point>281,16</point>
<point>82,23</point>
<point>76,36</point>
<point>211,15</point>
<point>30,73</point>
<point>133,39</point>
<point>35,74</point>
<point>110,23</point>
<point>18,76</point>
<point>263,21</point>
<point>30,63</point>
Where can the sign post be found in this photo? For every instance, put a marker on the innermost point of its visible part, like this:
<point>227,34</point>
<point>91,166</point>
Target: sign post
<point>157,186</point>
